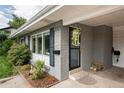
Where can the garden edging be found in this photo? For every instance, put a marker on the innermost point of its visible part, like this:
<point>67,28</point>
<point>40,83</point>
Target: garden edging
<point>25,80</point>
<point>6,79</point>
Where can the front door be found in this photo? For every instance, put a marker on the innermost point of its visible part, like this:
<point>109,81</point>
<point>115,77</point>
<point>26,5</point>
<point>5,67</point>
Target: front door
<point>74,48</point>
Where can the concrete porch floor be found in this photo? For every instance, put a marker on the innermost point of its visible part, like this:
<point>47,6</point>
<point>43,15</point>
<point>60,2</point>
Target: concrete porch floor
<point>110,78</point>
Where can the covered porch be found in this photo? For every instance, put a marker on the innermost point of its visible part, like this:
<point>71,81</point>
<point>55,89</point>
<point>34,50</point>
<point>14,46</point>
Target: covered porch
<point>101,36</point>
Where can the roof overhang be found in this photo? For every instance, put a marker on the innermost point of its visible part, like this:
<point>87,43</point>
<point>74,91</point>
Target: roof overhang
<point>69,15</point>
<point>37,21</point>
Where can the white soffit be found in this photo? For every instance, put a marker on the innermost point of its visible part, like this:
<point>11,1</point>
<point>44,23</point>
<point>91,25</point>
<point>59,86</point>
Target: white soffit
<point>75,13</point>
<point>112,19</point>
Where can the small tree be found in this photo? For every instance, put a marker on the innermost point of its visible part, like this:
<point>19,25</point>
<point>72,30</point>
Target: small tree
<point>17,21</point>
<point>5,46</point>
<point>3,36</point>
<point>19,54</point>
<point>38,70</point>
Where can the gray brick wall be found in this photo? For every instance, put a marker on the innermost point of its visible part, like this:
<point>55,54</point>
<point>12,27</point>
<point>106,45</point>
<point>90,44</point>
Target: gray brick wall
<point>64,53</point>
<point>86,47</point>
<point>103,45</point>
<point>56,70</point>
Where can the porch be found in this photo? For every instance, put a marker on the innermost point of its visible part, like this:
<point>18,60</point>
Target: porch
<point>110,78</point>
<point>101,36</point>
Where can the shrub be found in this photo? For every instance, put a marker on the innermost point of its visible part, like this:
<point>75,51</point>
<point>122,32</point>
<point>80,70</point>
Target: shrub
<point>38,70</point>
<point>6,69</point>
<point>19,54</point>
<point>5,46</point>
<point>3,36</point>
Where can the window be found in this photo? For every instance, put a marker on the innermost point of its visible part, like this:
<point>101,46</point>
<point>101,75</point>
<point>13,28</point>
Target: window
<point>75,37</point>
<point>39,43</point>
<point>46,42</point>
<point>29,41</point>
<point>22,40</point>
<point>52,62</point>
<point>33,44</point>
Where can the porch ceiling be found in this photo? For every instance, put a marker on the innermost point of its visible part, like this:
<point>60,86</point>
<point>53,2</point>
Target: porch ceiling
<point>75,13</point>
<point>112,19</point>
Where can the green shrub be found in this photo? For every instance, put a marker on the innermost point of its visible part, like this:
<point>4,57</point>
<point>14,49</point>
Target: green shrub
<point>5,46</point>
<point>38,70</point>
<point>6,68</point>
<point>3,36</point>
<point>19,54</point>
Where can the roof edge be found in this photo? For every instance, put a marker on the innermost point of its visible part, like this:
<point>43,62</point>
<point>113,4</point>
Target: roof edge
<point>41,13</point>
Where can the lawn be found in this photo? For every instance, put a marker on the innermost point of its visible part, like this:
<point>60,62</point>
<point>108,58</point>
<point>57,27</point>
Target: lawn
<point>6,69</point>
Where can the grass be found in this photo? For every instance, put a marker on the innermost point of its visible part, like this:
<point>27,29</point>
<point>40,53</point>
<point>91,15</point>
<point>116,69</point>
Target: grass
<point>6,68</point>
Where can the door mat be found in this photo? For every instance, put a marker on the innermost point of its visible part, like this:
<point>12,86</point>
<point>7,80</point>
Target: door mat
<point>88,80</point>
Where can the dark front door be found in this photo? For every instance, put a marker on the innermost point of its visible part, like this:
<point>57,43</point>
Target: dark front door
<point>74,48</point>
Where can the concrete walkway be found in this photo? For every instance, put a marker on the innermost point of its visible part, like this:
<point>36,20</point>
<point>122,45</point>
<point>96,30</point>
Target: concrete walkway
<point>107,79</point>
<point>17,82</point>
<point>82,80</point>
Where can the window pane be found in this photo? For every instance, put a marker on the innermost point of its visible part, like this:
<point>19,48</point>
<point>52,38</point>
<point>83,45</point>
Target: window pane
<point>39,46</point>
<point>33,44</point>
<point>29,41</point>
<point>75,56</point>
<point>23,40</point>
<point>52,60</point>
<point>46,44</point>
<point>75,37</point>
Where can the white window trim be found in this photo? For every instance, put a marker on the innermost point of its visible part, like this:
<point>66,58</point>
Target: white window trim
<point>31,43</point>
<point>39,35</point>
<point>44,34</point>
<point>42,44</point>
<point>36,43</point>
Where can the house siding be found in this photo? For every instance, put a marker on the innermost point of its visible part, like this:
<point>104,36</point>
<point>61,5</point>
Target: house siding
<point>56,71</point>
<point>103,45</point>
<point>118,44</point>
<point>86,46</point>
<point>64,53</point>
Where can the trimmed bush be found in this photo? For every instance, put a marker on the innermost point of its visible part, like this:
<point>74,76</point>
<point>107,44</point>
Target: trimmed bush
<point>5,47</point>
<point>38,70</point>
<point>19,54</point>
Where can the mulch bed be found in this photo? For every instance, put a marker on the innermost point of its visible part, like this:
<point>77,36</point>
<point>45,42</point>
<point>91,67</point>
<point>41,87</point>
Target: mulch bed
<point>46,81</point>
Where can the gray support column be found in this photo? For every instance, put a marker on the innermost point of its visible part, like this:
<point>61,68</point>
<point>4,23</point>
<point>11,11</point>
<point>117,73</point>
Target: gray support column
<point>86,46</point>
<point>56,70</point>
<point>64,53</point>
<point>61,42</point>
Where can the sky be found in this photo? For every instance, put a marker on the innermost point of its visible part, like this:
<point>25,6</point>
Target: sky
<point>6,12</point>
